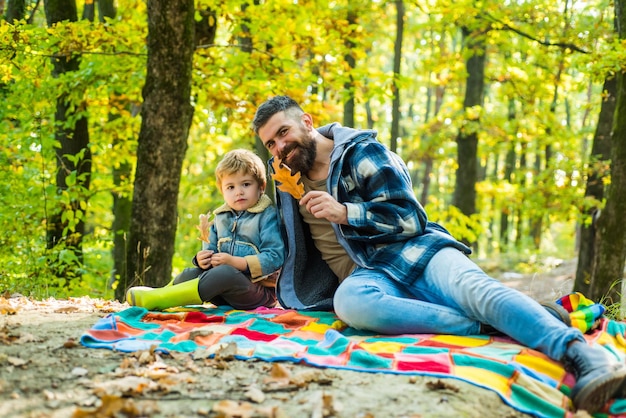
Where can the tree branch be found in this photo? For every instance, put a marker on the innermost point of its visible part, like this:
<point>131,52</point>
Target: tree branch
<point>532,38</point>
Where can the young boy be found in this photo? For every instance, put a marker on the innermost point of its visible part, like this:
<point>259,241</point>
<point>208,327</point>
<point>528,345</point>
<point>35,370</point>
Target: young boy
<point>238,265</point>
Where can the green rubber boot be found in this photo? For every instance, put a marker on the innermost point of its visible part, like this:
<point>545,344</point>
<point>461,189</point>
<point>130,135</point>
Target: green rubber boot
<point>185,293</point>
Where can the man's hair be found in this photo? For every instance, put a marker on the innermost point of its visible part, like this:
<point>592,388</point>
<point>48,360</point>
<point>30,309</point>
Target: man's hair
<point>272,106</point>
<point>241,161</point>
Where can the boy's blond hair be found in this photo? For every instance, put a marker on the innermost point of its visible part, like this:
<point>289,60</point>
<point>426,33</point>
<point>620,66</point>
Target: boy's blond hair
<point>241,161</point>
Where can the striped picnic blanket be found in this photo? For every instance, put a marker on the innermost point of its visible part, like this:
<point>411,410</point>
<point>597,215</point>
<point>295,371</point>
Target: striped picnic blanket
<point>525,379</point>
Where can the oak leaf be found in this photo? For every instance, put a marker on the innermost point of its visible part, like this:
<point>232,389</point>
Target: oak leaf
<point>287,182</point>
<point>204,226</point>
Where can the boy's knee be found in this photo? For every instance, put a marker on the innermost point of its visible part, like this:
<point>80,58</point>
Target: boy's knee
<point>219,274</point>
<point>187,274</point>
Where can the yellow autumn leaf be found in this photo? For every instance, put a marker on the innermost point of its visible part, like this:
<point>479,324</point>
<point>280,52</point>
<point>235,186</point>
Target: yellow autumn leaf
<point>287,182</point>
<point>204,226</point>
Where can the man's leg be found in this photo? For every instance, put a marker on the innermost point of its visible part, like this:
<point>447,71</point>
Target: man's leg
<point>453,279</point>
<point>370,300</point>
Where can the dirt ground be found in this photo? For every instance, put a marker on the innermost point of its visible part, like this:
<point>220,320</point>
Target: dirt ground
<point>45,372</point>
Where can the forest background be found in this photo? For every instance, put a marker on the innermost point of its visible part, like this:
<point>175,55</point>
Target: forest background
<point>511,117</point>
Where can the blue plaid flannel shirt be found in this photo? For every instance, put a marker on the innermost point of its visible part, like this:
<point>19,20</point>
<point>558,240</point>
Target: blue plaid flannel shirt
<point>388,228</point>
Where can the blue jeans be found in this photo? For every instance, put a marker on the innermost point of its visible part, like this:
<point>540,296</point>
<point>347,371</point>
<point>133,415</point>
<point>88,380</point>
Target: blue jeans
<point>453,296</point>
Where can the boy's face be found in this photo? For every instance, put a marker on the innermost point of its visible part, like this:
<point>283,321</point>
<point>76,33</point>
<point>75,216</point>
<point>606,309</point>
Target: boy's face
<point>240,190</point>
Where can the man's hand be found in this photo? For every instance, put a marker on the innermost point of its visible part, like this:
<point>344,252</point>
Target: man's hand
<point>323,205</point>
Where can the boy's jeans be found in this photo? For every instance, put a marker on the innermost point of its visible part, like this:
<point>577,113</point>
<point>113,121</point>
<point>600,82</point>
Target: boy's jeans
<point>453,296</point>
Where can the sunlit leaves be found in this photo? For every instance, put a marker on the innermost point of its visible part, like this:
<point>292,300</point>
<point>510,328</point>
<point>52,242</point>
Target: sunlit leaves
<point>537,95</point>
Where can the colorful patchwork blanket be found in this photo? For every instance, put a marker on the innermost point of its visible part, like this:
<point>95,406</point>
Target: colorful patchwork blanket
<point>525,379</point>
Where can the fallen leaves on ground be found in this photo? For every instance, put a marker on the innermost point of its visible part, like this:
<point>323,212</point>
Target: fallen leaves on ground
<point>441,385</point>
<point>114,406</point>
<point>10,305</point>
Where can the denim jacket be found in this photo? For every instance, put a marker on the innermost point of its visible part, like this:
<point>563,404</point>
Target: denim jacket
<point>387,230</point>
<point>252,234</point>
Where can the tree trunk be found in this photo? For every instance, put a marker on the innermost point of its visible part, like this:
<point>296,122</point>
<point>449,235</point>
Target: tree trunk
<point>106,8</point>
<point>166,117</point>
<point>369,115</point>
<point>122,206</point>
<point>509,169</point>
<point>397,64</point>
<point>89,10</point>
<point>608,271</point>
<point>594,191</point>
<point>523,180</point>
<point>206,28</point>
<point>467,140</point>
<point>16,10</point>
<point>535,217</point>
<point>348,105</point>
<point>66,224</point>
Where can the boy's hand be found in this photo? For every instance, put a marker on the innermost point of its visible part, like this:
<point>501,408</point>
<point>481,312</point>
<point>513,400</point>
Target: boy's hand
<point>221,258</point>
<point>204,258</point>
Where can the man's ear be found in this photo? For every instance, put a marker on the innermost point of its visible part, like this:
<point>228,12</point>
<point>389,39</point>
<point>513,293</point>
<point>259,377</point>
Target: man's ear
<point>307,120</point>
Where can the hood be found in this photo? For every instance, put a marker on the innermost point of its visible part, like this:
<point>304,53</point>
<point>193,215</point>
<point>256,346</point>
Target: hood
<point>343,136</point>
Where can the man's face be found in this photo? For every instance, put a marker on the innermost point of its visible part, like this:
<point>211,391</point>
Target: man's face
<point>291,140</point>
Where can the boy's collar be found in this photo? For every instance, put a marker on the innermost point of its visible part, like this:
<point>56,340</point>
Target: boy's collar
<point>263,203</point>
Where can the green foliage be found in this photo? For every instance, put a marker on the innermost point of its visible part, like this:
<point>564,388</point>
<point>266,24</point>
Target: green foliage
<point>461,226</point>
<point>543,79</point>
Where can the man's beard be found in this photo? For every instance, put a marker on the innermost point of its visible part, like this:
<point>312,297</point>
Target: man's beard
<point>304,157</point>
